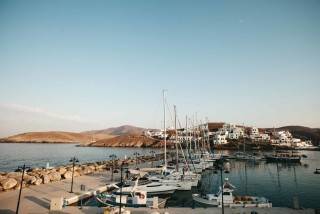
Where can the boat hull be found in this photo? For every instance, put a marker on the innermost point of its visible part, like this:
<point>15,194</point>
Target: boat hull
<point>107,202</point>
<point>258,202</point>
<point>283,159</point>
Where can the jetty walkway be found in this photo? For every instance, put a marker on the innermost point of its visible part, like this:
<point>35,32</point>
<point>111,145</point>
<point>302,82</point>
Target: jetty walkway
<point>37,199</point>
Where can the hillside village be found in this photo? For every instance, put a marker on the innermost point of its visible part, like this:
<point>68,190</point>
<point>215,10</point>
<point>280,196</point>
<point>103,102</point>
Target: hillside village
<point>229,132</point>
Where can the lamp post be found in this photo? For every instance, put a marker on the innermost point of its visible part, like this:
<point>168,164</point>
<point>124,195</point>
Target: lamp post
<point>152,153</point>
<point>136,154</point>
<point>113,156</point>
<point>23,168</point>
<point>220,166</point>
<point>222,189</point>
<point>120,204</point>
<point>73,160</point>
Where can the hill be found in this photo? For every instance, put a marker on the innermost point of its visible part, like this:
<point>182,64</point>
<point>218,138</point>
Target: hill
<point>304,133</point>
<point>119,131</point>
<point>130,141</point>
<point>48,137</point>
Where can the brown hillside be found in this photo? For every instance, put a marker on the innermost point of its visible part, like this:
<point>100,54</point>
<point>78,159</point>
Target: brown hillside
<point>130,141</point>
<point>119,131</point>
<point>47,137</point>
<point>213,127</point>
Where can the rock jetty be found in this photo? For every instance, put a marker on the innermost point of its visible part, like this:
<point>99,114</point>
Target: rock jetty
<point>37,176</point>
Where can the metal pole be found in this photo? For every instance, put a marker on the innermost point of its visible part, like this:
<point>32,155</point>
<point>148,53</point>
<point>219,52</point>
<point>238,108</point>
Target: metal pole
<point>112,168</point>
<point>120,189</point>
<point>23,168</point>
<point>72,174</point>
<point>136,159</point>
<point>222,189</point>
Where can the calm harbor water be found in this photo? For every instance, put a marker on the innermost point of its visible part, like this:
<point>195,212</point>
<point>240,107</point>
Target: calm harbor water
<point>13,155</point>
<point>278,182</point>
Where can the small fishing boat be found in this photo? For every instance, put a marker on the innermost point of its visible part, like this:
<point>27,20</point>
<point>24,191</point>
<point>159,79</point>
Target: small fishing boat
<point>284,157</point>
<point>229,200</point>
<point>135,199</point>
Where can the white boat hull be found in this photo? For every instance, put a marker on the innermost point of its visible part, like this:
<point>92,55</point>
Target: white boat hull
<point>256,202</point>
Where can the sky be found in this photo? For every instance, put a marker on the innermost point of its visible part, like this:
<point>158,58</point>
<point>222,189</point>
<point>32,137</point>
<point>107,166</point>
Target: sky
<point>87,65</point>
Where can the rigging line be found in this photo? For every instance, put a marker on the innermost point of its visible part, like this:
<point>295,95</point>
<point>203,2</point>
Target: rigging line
<point>172,121</point>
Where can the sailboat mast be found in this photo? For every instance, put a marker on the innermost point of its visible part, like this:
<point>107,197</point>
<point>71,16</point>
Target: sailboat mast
<point>164,126</point>
<point>175,127</point>
<point>187,135</point>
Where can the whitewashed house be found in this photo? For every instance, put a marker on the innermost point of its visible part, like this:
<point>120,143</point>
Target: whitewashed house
<point>219,139</point>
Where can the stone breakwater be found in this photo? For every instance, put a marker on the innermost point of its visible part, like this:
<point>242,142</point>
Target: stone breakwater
<point>37,176</point>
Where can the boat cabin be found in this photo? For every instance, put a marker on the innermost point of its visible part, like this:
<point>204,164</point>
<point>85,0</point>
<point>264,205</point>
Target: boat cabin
<point>227,193</point>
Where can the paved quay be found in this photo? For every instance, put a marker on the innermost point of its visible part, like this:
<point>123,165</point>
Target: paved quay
<point>36,199</point>
<point>184,210</point>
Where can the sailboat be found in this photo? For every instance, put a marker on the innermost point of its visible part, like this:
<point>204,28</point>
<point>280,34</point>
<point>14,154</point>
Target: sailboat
<point>179,174</point>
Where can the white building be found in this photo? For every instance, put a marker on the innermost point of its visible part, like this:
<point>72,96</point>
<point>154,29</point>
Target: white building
<point>260,137</point>
<point>254,131</point>
<point>219,139</point>
<point>233,131</point>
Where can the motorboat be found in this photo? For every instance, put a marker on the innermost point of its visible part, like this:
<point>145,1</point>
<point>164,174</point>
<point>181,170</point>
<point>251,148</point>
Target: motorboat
<point>135,199</point>
<point>144,184</point>
<point>226,196</point>
<point>181,184</point>
<point>284,157</point>
<point>156,175</point>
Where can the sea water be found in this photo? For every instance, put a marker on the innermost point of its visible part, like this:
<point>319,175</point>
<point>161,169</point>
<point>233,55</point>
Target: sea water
<point>277,182</point>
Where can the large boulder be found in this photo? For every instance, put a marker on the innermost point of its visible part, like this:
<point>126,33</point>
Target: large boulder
<point>31,179</point>
<point>62,170</point>
<point>93,168</point>
<point>86,170</point>
<point>2,178</point>
<point>8,183</point>
<point>38,182</point>
<point>67,175</point>
<point>14,174</point>
<point>42,172</point>
<point>45,179</point>
<point>55,176</point>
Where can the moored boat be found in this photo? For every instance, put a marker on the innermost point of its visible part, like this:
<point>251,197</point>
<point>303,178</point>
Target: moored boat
<point>229,199</point>
<point>284,157</point>
<point>135,199</point>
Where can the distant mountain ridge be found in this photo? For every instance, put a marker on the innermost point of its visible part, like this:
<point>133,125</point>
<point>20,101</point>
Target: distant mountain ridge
<point>120,131</point>
<point>101,136</point>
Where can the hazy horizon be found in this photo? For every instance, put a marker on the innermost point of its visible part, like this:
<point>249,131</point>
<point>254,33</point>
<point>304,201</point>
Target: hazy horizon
<point>89,65</point>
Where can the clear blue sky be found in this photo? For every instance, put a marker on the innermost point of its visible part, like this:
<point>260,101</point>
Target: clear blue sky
<point>84,65</point>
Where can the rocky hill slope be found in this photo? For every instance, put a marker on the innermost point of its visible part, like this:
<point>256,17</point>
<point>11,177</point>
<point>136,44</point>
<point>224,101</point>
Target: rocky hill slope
<point>51,137</point>
<point>130,141</point>
<point>119,131</point>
